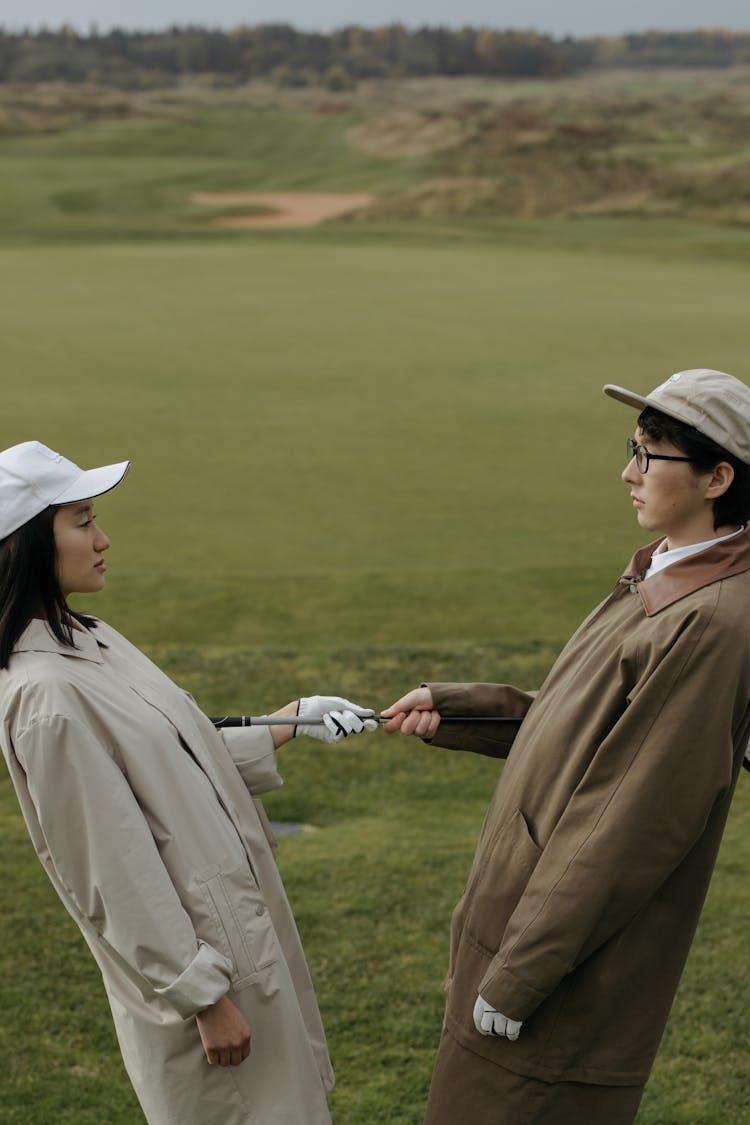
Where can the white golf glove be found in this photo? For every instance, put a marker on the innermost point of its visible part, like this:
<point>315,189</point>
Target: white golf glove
<point>331,718</point>
<point>488,1021</point>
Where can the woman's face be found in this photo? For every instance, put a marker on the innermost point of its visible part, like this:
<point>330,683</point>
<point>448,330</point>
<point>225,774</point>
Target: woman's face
<point>79,544</point>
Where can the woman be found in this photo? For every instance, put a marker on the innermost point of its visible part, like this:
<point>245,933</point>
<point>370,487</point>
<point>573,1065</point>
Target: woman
<point>142,815</point>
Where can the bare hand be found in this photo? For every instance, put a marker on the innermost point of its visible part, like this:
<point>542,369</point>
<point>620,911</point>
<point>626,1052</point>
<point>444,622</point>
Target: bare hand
<point>224,1033</point>
<point>413,714</point>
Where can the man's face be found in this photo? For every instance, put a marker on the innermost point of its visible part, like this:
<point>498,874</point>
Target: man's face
<point>670,497</point>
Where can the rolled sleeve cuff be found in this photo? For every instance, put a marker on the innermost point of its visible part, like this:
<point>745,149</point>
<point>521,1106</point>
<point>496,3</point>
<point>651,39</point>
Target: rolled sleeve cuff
<point>254,755</point>
<point>491,739</point>
<point>508,994</point>
<point>204,981</point>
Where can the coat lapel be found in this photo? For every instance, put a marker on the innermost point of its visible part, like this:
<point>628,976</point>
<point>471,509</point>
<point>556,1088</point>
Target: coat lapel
<point>685,577</point>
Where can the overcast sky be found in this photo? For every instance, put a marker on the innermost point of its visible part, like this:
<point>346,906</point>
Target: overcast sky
<point>576,17</point>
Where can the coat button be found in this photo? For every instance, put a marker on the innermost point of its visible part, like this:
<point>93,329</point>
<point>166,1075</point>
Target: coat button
<point>260,909</point>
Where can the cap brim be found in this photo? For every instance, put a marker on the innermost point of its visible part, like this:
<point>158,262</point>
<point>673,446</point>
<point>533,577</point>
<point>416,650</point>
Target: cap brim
<point>93,482</point>
<point>628,397</point>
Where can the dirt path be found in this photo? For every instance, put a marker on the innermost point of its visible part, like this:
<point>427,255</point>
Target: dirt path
<point>291,209</point>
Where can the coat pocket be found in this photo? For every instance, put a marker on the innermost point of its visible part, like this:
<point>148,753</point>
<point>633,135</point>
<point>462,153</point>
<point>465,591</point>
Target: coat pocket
<point>502,875</point>
<point>243,925</point>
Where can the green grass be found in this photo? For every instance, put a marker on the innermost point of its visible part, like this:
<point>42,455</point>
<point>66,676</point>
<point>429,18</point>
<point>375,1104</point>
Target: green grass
<point>133,178</point>
<point>361,441</point>
<point>364,455</point>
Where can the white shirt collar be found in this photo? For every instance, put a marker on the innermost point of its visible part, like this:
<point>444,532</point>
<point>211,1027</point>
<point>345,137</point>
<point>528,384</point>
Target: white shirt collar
<point>662,558</point>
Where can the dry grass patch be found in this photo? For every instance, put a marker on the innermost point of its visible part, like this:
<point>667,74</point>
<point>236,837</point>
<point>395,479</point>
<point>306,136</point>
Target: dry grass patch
<point>405,133</point>
<point>51,107</point>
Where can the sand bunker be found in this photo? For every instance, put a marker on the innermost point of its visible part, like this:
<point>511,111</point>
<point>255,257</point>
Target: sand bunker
<point>290,209</point>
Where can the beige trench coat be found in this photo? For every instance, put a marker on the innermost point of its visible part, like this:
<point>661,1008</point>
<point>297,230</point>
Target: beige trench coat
<point>599,844</point>
<point>142,816</point>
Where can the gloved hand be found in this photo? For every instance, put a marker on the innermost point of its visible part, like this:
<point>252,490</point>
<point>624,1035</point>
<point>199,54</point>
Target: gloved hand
<point>331,718</point>
<point>488,1021</point>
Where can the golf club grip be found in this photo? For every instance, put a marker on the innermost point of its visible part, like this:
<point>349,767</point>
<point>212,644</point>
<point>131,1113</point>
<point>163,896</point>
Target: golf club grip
<point>295,720</point>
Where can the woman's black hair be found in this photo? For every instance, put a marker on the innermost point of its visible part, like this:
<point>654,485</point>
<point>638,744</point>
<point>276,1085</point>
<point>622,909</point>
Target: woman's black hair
<point>29,586</point>
<point>733,507</point>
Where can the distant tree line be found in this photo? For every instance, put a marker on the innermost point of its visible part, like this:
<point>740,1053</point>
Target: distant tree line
<point>130,59</point>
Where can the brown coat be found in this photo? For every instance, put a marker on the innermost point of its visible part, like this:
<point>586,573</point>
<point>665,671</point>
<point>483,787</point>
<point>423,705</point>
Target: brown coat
<point>599,844</point>
<point>143,818</point>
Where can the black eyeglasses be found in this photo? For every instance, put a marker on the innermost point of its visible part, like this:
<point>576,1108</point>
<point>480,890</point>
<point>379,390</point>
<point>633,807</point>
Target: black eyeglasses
<point>642,456</point>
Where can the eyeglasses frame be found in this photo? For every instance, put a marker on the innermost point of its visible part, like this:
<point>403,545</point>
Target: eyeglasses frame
<point>636,449</point>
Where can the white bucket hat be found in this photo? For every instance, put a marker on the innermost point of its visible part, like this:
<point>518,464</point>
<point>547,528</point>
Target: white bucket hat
<point>33,477</point>
<point>712,402</point>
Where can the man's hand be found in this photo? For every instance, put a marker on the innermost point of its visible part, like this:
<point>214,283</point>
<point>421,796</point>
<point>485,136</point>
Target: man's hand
<point>332,718</point>
<point>413,714</point>
<point>488,1021</point>
<point>224,1033</point>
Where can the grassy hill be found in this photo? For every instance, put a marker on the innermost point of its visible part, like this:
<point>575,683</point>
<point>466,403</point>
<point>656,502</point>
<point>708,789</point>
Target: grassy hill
<point>85,163</point>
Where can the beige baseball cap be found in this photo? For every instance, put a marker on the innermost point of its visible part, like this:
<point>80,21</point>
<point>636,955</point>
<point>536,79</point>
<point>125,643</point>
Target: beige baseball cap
<point>34,477</point>
<point>712,402</point>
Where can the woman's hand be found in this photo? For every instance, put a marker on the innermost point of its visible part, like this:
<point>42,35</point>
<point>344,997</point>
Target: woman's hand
<point>331,718</point>
<point>413,714</point>
<point>224,1033</point>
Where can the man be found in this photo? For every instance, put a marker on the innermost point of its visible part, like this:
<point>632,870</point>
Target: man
<point>598,847</point>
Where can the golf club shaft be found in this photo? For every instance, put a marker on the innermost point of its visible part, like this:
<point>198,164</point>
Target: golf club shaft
<point>295,720</point>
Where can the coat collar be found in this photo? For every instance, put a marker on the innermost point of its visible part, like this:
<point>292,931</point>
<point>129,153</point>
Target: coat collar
<point>37,637</point>
<point>688,575</point>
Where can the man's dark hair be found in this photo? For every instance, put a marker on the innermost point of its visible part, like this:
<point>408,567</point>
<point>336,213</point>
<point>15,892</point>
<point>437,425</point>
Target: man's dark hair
<point>731,509</point>
<point>29,586</point>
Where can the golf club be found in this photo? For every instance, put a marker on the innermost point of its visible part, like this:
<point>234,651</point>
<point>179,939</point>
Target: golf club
<point>281,720</point>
